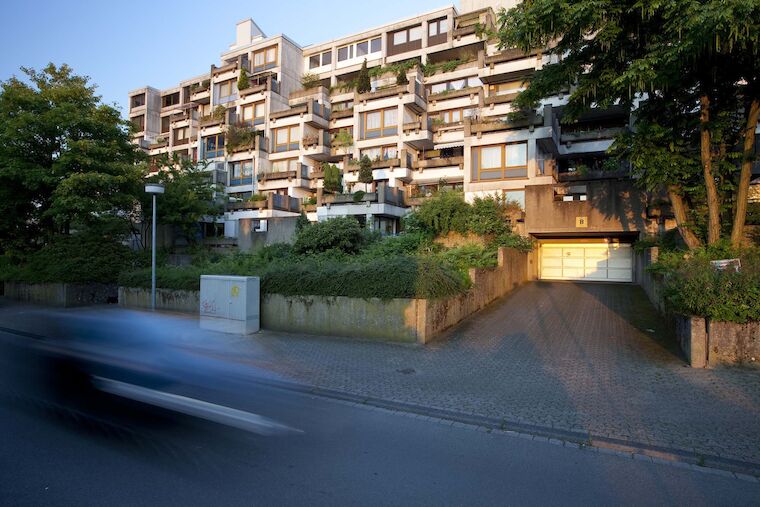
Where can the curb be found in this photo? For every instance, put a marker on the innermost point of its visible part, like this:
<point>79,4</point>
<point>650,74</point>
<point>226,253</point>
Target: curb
<point>718,465</point>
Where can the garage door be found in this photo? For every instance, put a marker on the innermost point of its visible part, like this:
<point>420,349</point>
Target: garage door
<point>612,262</point>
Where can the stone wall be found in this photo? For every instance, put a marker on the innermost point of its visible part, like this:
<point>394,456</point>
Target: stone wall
<point>704,342</point>
<point>187,301</point>
<point>61,294</point>
<point>402,319</point>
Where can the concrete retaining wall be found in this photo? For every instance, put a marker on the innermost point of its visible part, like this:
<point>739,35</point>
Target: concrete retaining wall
<point>187,301</point>
<point>403,320</point>
<point>61,294</point>
<point>704,342</point>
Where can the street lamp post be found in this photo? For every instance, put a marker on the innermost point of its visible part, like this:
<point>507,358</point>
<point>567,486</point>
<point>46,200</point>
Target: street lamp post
<point>154,189</point>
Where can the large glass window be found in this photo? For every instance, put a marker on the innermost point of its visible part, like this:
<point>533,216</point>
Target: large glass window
<point>241,173</point>
<point>500,162</point>
<point>375,45</point>
<point>281,166</point>
<point>343,53</point>
<point>252,114</point>
<point>314,62</point>
<point>399,38</point>
<point>286,138</point>
<point>455,84</point>
<point>362,48</point>
<point>213,146</point>
<point>380,123</point>
<point>264,59</point>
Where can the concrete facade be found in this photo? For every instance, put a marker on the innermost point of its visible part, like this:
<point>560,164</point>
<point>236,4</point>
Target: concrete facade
<point>448,127</point>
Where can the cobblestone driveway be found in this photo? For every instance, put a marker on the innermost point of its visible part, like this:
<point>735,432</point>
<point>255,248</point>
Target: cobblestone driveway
<point>588,357</point>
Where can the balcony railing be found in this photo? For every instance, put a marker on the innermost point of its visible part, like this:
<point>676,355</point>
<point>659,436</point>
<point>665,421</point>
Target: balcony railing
<point>411,87</point>
<point>260,84</point>
<point>384,195</point>
<point>269,174</point>
<point>272,202</point>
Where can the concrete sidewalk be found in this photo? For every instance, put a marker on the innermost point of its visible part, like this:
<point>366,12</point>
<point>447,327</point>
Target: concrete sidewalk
<point>590,359</point>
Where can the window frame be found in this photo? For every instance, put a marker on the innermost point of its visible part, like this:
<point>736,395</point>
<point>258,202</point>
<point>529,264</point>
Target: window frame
<point>290,140</point>
<point>266,63</point>
<point>383,127</point>
<point>218,149</point>
<point>503,167</point>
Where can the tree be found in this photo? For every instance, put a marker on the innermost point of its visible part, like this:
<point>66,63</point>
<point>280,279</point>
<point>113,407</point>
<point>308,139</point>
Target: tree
<point>66,160</point>
<point>333,179</point>
<point>343,140</point>
<point>189,196</point>
<point>243,80</point>
<point>695,58</point>
<point>365,171</point>
<point>363,84</point>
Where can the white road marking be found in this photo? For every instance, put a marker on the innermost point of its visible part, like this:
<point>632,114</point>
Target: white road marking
<point>197,408</point>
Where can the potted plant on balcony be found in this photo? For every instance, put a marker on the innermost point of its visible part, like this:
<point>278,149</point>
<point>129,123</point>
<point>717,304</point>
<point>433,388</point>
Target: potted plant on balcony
<point>309,81</point>
<point>243,81</point>
<point>363,84</point>
<point>333,180</point>
<point>365,171</point>
<point>343,141</point>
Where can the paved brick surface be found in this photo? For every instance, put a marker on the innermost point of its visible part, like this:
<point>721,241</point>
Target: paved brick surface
<point>581,357</point>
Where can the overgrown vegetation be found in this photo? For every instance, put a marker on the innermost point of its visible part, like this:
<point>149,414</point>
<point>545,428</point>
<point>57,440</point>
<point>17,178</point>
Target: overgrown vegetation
<point>310,80</point>
<point>243,81</point>
<point>363,84</point>
<point>339,257</point>
<point>77,258</point>
<point>693,286</point>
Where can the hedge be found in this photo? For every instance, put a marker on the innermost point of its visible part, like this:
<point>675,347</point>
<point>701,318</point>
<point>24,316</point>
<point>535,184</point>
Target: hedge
<point>692,286</point>
<point>390,277</point>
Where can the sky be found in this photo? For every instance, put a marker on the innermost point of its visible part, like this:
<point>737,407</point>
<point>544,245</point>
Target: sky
<point>125,45</point>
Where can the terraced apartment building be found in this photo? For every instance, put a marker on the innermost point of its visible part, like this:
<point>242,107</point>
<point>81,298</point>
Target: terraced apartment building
<point>447,126</point>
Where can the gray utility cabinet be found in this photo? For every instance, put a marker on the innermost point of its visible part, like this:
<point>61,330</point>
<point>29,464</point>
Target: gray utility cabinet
<point>230,304</point>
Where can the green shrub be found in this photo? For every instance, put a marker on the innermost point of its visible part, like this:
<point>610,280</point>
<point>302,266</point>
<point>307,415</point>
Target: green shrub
<point>692,286</point>
<point>395,277</point>
<point>309,81</point>
<point>74,259</point>
<point>342,233</point>
<point>488,217</point>
<point>511,240</point>
<point>410,243</point>
<point>470,256</point>
<point>442,214</point>
<point>243,81</point>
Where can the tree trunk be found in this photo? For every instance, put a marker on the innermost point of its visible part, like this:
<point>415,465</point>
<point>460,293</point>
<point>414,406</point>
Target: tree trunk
<point>742,193</point>
<point>679,210</point>
<point>713,202</point>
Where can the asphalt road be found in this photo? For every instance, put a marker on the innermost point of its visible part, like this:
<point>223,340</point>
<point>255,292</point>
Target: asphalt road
<point>345,454</point>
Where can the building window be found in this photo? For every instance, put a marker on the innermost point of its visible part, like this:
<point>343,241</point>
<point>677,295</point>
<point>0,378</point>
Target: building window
<point>286,139</point>
<point>437,27</point>
<point>281,166</point>
<point>165,124</point>
<point>181,134</point>
<point>449,116</point>
<point>408,39</point>
<point>505,88</point>
<point>171,99</point>
<point>252,114</point>
<point>137,101</point>
<point>241,173</point>
<point>570,194</point>
<point>455,84</point>
<point>213,146</point>
<point>380,123</point>
<point>380,153</point>
<point>500,162</point>
<point>265,59</point>
<point>226,91</point>
<point>343,53</point>
<point>320,60</point>
<point>139,123</point>
<point>358,49</point>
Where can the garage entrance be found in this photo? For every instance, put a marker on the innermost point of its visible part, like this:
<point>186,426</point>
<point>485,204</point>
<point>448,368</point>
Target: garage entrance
<point>587,260</point>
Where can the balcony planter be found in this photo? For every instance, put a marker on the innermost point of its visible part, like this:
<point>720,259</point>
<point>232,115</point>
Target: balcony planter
<point>243,205</point>
<point>345,113</point>
<point>453,94</point>
<point>385,92</point>
<point>412,126</point>
<point>438,162</point>
<point>391,162</point>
